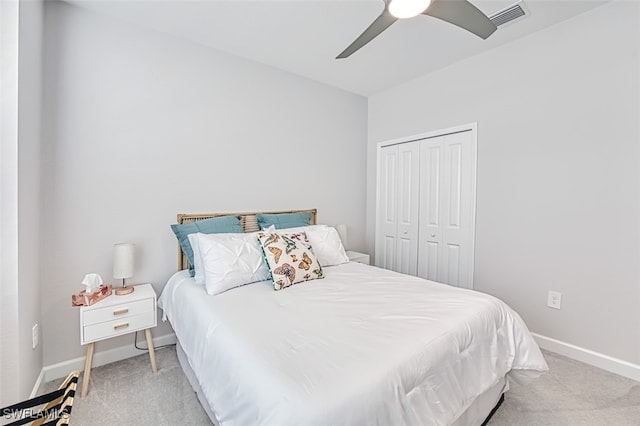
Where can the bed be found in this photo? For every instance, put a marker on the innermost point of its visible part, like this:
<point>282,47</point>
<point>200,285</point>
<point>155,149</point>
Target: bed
<point>361,346</point>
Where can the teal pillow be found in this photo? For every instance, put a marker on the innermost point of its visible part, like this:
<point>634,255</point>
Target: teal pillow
<point>215,225</point>
<point>284,220</point>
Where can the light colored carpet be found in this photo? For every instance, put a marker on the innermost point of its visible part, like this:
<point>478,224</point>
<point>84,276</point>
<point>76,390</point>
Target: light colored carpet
<point>572,393</point>
<point>129,393</point>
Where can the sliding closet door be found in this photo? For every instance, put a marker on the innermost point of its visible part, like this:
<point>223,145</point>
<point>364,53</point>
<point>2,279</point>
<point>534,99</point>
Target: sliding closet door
<point>447,209</point>
<point>398,192</point>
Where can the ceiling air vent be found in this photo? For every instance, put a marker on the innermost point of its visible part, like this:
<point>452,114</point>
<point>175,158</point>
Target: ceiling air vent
<point>510,14</point>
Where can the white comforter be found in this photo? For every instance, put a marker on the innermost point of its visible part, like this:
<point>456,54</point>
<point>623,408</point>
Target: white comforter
<point>364,346</point>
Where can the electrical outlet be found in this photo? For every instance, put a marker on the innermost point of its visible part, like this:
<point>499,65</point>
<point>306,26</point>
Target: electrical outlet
<point>34,336</point>
<point>554,299</point>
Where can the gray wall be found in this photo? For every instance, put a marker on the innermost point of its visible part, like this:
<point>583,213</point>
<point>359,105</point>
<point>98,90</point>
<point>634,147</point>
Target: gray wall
<point>558,171</point>
<point>140,126</point>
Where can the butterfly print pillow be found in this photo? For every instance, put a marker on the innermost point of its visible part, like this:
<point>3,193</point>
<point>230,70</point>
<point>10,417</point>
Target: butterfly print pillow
<point>290,258</point>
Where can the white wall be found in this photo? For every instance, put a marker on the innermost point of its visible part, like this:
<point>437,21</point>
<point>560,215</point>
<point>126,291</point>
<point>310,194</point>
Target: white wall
<point>558,171</point>
<point>21,72</point>
<point>140,126</point>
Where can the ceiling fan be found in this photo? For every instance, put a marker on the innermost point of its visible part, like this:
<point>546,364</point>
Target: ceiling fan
<point>457,12</point>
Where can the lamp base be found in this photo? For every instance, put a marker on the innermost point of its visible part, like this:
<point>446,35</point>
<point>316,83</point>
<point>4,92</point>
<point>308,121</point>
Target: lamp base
<point>121,291</point>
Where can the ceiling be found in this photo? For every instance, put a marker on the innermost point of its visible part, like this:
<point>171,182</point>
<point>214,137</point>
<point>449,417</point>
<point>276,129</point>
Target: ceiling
<point>304,36</point>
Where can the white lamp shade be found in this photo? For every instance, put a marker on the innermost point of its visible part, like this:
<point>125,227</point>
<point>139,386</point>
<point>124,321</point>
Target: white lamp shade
<point>342,232</point>
<point>123,260</point>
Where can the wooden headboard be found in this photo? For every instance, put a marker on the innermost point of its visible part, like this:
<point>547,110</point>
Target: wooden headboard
<point>248,220</point>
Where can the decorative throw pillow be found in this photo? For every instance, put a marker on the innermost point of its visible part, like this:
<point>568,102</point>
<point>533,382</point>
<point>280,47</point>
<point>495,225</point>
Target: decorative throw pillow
<point>289,258</point>
<point>215,225</point>
<point>283,220</point>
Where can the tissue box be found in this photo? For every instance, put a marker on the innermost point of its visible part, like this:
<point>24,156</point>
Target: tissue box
<point>87,299</point>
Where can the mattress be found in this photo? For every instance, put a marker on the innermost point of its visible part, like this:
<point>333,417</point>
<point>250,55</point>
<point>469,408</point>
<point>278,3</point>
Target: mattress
<point>362,346</point>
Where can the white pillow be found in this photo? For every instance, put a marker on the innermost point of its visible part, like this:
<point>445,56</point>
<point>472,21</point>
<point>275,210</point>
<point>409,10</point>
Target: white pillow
<point>197,258</point>
<point>325,243</point>
<point>327,246</point>
<point>231,260</point>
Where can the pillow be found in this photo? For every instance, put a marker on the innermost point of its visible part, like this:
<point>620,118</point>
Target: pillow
<point>325,243</point>
<point>289,258</point>
<point>215,225</point>
<point>230,260</point>
<point>283,220</point>
<point>197,259</point>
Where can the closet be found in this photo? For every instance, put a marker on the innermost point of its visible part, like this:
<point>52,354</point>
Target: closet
<point>425,219</point>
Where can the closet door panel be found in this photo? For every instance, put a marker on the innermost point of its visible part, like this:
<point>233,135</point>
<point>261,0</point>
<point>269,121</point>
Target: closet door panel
<point>387,222</point>
<point>451,274</point>
<point>408,207</point>
<point>457,229</point>
<point>447,198</point>
<point>428,261</point>
<point>453,160</point>
<point>389,253</point>
<point>429,233</point>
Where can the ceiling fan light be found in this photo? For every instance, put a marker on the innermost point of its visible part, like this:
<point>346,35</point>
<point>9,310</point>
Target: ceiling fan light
<point>408,8</point>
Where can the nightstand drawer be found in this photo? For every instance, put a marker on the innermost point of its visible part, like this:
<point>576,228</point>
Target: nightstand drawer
<point>119,326</point>
<point>118,312</point>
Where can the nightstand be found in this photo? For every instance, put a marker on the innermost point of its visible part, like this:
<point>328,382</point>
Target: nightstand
<point>117,316</point>
<point>355,256</point>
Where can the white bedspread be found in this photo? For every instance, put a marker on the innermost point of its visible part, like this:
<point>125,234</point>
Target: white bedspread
<point>364,346</point>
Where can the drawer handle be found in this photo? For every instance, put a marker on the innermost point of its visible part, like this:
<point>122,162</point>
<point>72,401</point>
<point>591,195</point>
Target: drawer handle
<point>121,326</point>
<point>121,311</point>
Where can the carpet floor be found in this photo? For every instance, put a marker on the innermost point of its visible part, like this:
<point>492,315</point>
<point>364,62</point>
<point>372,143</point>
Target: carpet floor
<point>572,393</point>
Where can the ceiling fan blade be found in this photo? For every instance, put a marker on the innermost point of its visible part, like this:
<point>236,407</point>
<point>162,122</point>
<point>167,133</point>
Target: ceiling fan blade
<point>462,14</point>
<point>381,23</point>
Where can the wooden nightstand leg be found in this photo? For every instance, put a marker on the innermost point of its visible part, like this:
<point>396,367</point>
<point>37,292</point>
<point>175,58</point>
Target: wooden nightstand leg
<point>152,353</point>
<point>87,369</point>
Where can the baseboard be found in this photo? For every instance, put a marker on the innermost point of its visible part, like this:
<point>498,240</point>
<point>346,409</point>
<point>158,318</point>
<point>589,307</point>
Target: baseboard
<point>606,362</point>
<point>36,387</point>
<point>62,369</point>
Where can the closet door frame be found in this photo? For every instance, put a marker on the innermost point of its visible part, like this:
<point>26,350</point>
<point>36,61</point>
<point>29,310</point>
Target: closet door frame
<point>473,128</point>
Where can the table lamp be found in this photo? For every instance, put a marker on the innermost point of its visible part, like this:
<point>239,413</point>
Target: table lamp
<point>123,265</point>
